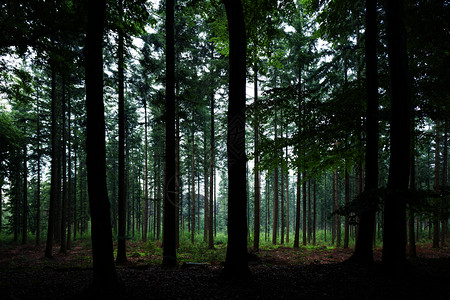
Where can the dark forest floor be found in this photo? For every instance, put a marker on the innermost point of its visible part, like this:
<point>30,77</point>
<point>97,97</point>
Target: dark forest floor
<point>305,273</point>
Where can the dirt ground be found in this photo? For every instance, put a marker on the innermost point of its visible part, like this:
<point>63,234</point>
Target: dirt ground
<point>318,273</point>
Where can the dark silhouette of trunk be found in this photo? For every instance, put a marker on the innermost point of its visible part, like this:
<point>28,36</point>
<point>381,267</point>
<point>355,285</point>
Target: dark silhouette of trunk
<point>122,205</point>
<point>394,243</point>
<point>346,201</point>
<point>282,195</point>
<point>287,199</point>
<point>205,181</point>
<point>336,206</point>
<point>444,184</point>
<point>211,179</point>
<point>53,170</point>
<point>412,187</point>
<point>314,214</point>
<point>325,206</point>
<point>75,188</point>
<point>38,187</point>
<point>105,277</point>
<point>178,201</point>
<point>275,191</point>
<point>309,220</point>
<point>257,219</point>
<point>63,248</point>
<point>69,183</point>
<point>297,212</point>
<point>145,202</point>
<point>169,232</point>
<point>1,202</point>
<point>193,190</point>
<point>25,197</point>
<point>436,185</point>
<point>236,265</point>
<point>365,233</point>
<point>304,209</point>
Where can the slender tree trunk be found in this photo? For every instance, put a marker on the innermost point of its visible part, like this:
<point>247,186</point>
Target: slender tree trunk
<point>444,185</point>
<point>297,212</point>
<point>309,220</point>
<point>63,248</point>
<point>211,178</point>
<point>336,206</point>
<point>287,200</point>
<point>122,205</point>
<point>347,201</point>
<point>257,219</point>
<point>326,207</point>
<point>436,186</point>
<point>394,231</point>
<point>38,187</point>
<point>314,213</point>
<point>169,235</point>
<point>69,173</point>
<point>193,191</point>
<point>275,191</point>
<point>236,265</point>
<point>304,209</point>
<point>412,187</point>
<point>105,277</point>
<point>25,196</point>
<point>53,168</point>
<point>145,202</point>
<point>178,190</point>
<point>365,230</point>
<point>205,181</point>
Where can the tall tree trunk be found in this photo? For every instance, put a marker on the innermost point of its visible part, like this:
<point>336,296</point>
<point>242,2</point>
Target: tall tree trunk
<point>105,277</point>
<point>444,185</point>
<point>297,212</point>
<point>205,181</point>
<point>347,201</point>
<point>314,213</point>
<point>304,209</point>
<point>169,251</point>
<point>193,190</point>
<point>309,220</point>
<point>287,200</point>
<point>365,231</point>
<point>38,187</point>
<point>282,195</point>
<point>63,248</point>
<point>69,173</point>
<point>275,190</point>
<point>145,202</point>
<point>436,186</point>
<point>178,190</point>
<point>236,265</point>
<point>412,187</point>
<point>325,206</point>
<point>211,178</point>
<point>394,244</point>
<point>122,205</point>
<point>257,218</point>
<point>336,206</point>
<point>53,168</point>
<point>25,196</point>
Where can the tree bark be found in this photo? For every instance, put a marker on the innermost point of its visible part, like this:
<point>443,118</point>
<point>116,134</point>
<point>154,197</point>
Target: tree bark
<point>211,179</point>
<point>105,277</point>
<point>394,244</point>
<point>437,185</point>
<point>122,205</point>
<point>169,251</point>
<point>257,218</point>
<point>236,265</point>
<point>297,212</point>
<point>53,170</point>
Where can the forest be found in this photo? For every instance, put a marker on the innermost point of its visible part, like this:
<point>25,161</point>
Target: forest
<point>224,149</point>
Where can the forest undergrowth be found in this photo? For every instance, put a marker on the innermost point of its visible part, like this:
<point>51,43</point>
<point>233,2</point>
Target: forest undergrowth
<point>313,272</point>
